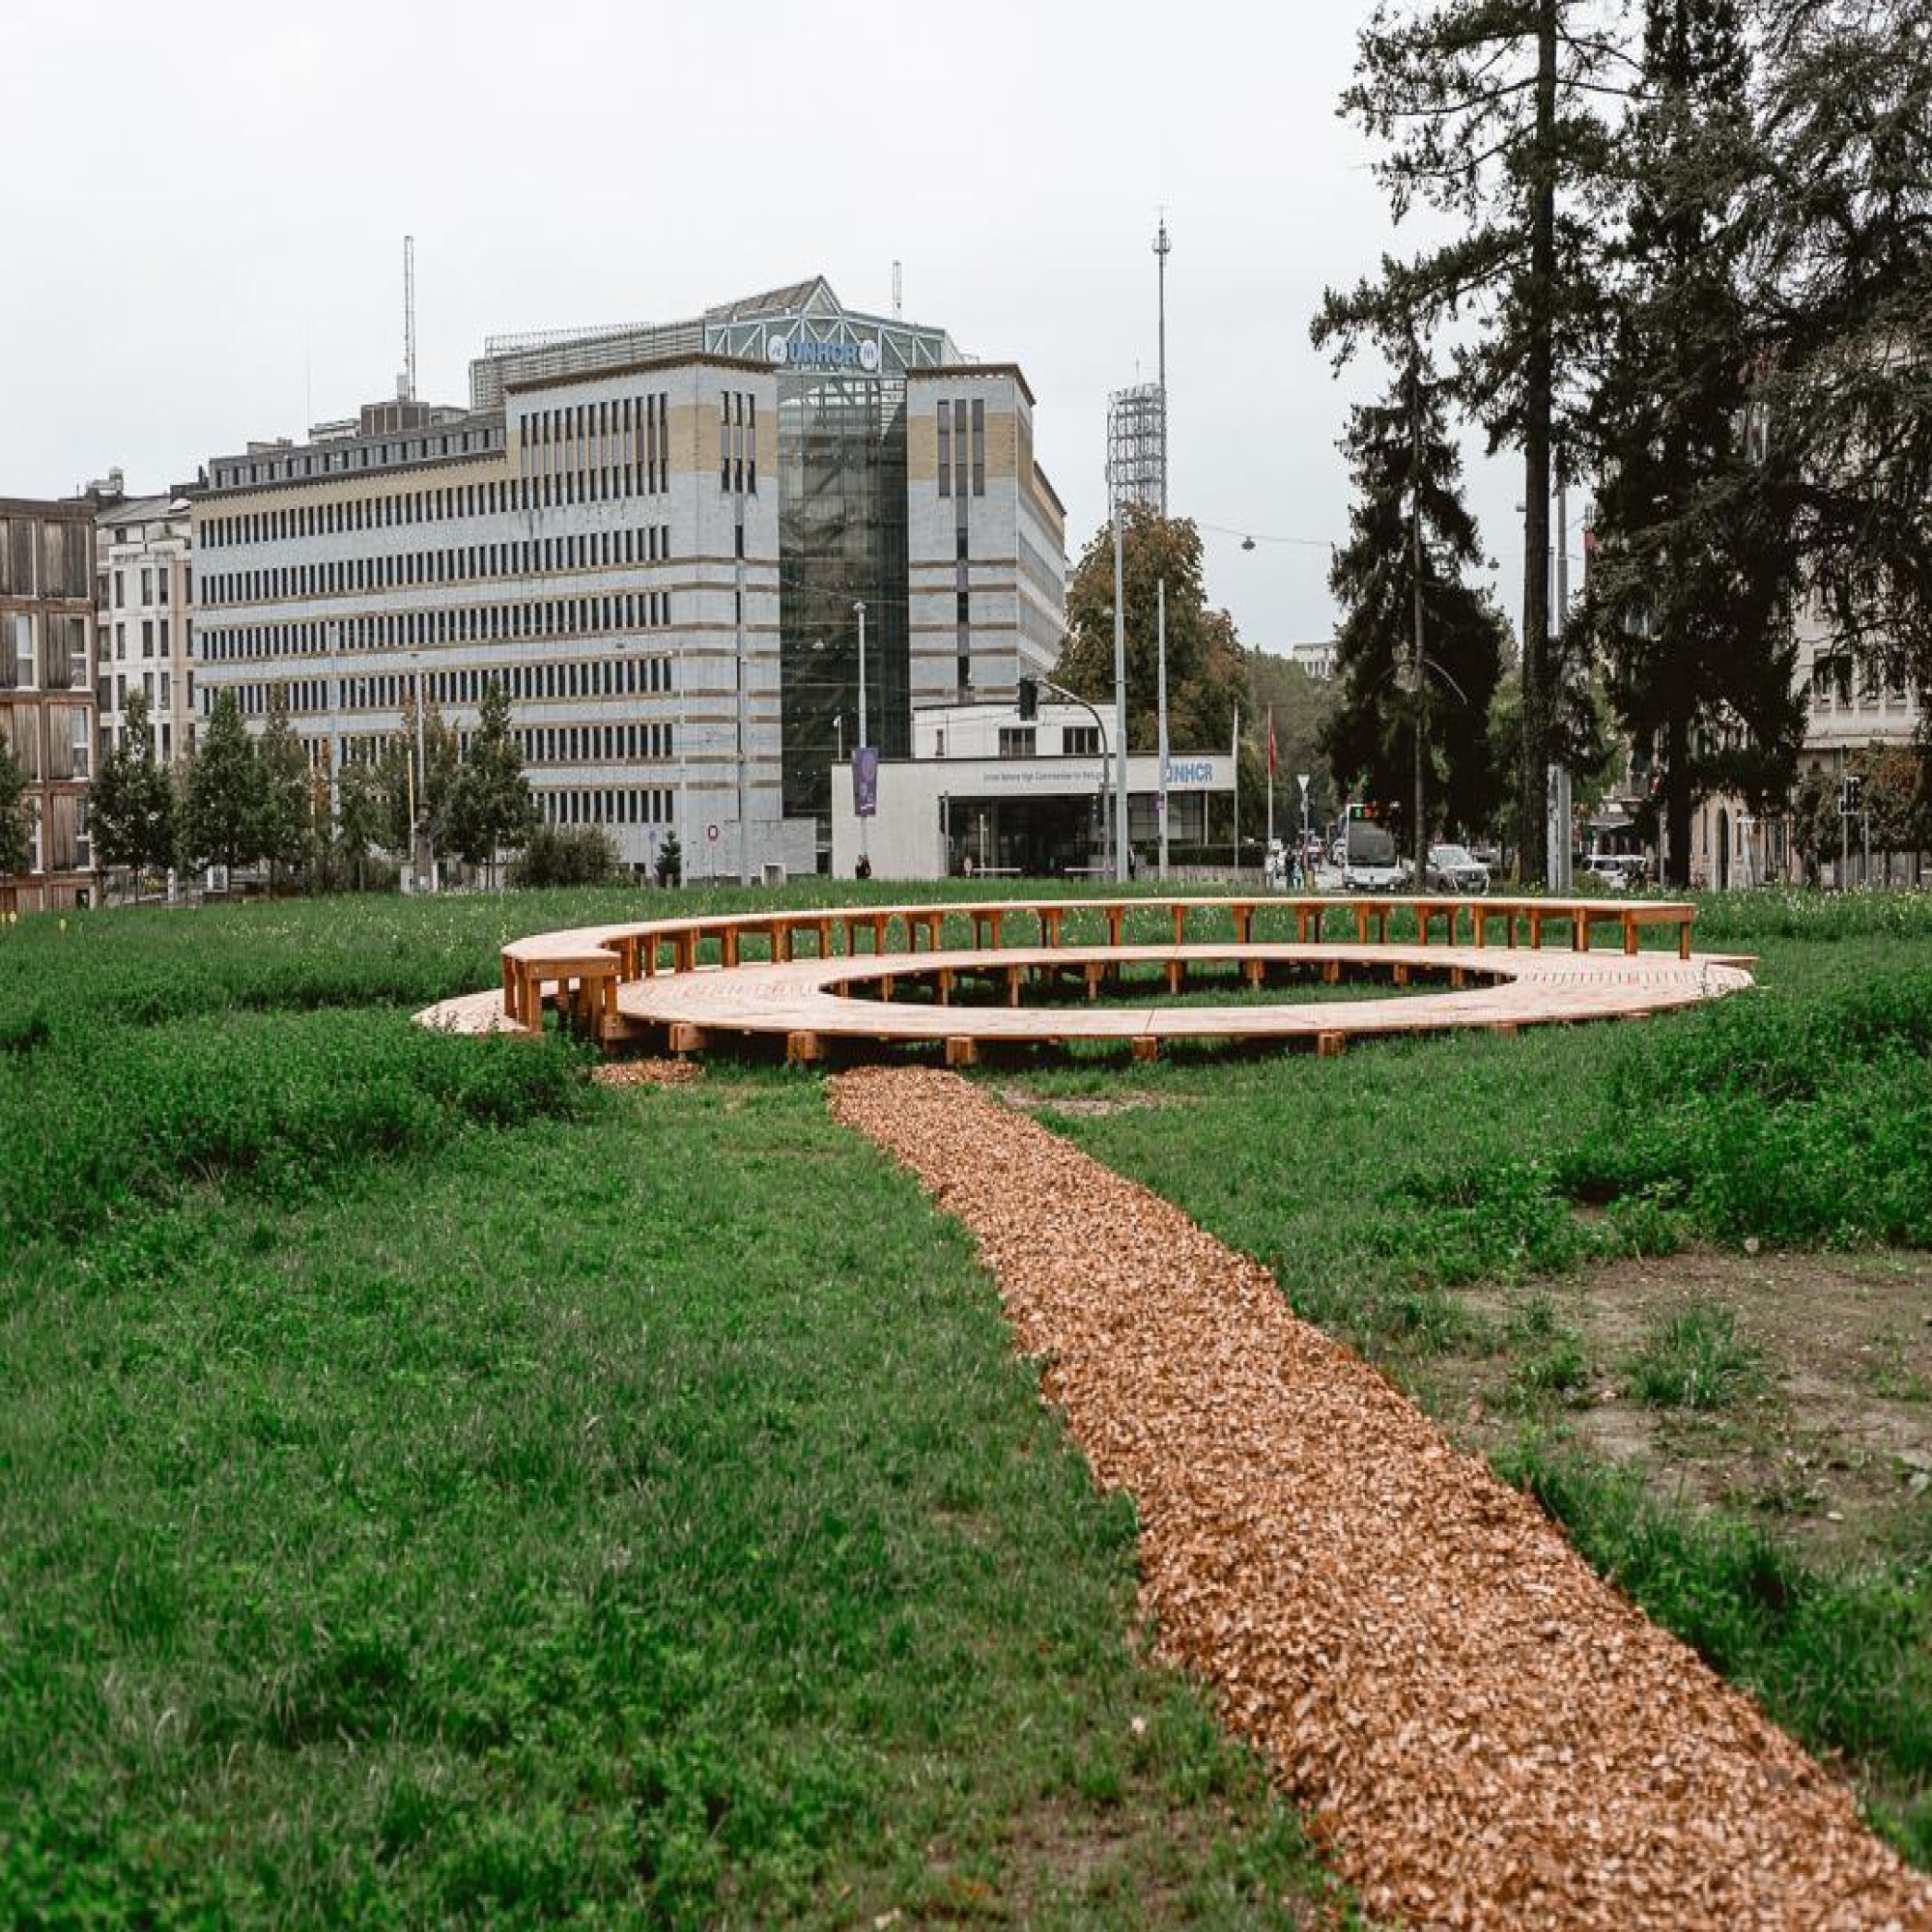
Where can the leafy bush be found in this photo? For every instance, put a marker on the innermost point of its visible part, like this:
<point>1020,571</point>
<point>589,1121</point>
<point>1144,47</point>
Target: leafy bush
<point>566,855</point>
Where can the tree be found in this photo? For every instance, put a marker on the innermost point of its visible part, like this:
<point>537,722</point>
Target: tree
<point>132,801</point>
<point>1408,517</point>
<point>670,860</point>
<point>394,786</point>
<point>1488,109</point>
<point>1207,668</point>
<point>222,818</point>
<point>358,819</point>
<point>1690,594</point>
<point>285,800</point>
<point>1299,706</point>
<point>15,840</point>
<point>490,803</point>
<point>1839,211</point>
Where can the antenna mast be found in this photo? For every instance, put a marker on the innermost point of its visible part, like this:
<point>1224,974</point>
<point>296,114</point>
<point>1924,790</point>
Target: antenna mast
<point>1162,249</point>
<point>899,290</point>
<point>408,317</point>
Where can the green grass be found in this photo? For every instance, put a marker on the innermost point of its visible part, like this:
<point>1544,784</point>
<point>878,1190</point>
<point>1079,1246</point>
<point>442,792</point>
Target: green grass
<point>1378,1186</point>
<point>434,1491</point>
<point>1693,1359</point>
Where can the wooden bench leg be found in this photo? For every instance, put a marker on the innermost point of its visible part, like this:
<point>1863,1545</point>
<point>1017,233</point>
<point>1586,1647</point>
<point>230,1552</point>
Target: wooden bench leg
<point>1147,1046</point>
<point>1330,1045</point>
<point>962,1052</point>
<point>1173,978</point>
<point>686,1038</point>
<point>802,1049</point>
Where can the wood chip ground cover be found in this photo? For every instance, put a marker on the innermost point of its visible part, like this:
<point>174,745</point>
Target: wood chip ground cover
<point>1485,1733</point>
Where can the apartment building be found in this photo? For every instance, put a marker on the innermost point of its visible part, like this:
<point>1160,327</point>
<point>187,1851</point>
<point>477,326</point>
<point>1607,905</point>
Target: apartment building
<point>47,693</point>
<point>144,619</point>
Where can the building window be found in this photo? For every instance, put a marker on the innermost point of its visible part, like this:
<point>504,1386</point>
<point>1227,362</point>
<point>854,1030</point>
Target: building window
<point>1080,741</point>
<point>945,449</point>
<point>1017,741</point>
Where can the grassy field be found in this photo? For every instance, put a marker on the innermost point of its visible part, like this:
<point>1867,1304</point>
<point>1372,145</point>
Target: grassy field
<point>435,1489</point>
<point>1624,1262</point>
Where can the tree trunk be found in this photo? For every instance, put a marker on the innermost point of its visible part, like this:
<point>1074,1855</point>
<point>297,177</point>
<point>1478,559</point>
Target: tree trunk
<point>1677,800</point>
<point>1538,389</point>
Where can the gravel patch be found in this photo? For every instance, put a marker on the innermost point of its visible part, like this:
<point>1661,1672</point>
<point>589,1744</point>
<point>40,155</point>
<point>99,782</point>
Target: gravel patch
<point>1483,1733</point>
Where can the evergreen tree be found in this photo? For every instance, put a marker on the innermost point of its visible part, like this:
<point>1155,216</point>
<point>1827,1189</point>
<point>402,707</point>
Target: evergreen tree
<point>1839,210</point>
<point>1689,595</point>
<point>16,841</point>
<point>393,778</point>
<point>222,816</point>
<point>132,801</point>
<point>1488,109</point>
<point>670,860</point>
<point>490,803</point>
<point>358,819</point>
<point>1405,466</point>
<point>286,801</point>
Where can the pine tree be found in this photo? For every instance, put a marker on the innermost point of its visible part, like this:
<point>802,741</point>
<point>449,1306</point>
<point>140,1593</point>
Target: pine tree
<point>1690,594</point>
<point>284,798</point>
<point>1489,110</point>
<point>1840,210</point>
<point>222,823</point>
<point>358,818</point>
<point>1403,465</point>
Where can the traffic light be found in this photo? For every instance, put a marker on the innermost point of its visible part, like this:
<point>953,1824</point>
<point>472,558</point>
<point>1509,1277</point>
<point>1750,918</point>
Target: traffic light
<point>1029,697</point>
<point>1851,795</point>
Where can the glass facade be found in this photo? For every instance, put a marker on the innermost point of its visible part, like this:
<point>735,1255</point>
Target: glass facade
<point>841,541</point>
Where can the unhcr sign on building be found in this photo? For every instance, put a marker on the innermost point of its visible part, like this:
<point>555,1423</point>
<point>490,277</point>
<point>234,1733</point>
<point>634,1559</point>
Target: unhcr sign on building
<point>801,353</point>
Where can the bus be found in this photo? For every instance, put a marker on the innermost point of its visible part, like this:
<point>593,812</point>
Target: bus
<point>1364,850</point>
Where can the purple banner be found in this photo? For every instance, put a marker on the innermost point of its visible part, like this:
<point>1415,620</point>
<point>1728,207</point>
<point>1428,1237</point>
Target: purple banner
<point>866,781</point>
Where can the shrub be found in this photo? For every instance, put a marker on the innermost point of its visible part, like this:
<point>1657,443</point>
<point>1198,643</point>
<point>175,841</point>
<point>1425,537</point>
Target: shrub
<point>566,855</point>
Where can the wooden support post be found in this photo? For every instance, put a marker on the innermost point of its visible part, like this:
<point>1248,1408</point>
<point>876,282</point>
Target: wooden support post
<point>887,982</point>
<point>1400,974</point>
<point>1012,985</point>
<point>1174,974</point>
<point>1629,933</point>
<point>1179,924</point>
<point>802,1049</point>
<point>1683,938</point>
<point>1332,972</point>
<point>1095,970</point>
<point>1330,1045</point>
<point>1147,1046</point>
<point>686,1038</point>
<point>1458,978</point>
<point>962,1051</point>
<point>1253,971</point>
<point>946,985</point>
<point>1507,1028</point>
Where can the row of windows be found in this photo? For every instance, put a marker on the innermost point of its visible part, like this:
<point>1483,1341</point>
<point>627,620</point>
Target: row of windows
<point>360,513</point>
<point>471,563</point>
<point>955,459</point>
<point>621,612</point>
<point>357,456</point>
<point>1831,677</point>
<point>645,805</point>
<point>593,451</point>
<point>111,694</point>
<point>155,585</point>
<point>522,683</point>
<point>148,625</point>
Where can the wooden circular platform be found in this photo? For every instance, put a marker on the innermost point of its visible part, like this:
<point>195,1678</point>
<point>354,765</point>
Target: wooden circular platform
<point>616,982</point>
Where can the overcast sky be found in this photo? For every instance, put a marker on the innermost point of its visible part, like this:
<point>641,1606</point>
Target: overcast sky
<point>205,205</point>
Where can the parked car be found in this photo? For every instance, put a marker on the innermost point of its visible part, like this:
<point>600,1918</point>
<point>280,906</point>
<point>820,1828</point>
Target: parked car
<point>1454,869</point>
<point>1617,871</point>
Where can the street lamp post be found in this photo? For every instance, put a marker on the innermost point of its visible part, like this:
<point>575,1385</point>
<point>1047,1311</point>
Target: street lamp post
<point>1120,705</point>
<point>865,843</point>
<point>1301,859</point>
<point>1160,796</point>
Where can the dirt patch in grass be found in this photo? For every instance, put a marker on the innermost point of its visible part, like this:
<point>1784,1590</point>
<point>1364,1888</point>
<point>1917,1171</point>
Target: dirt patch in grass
<point>1079,1107</point>
<point>1834,1439</point>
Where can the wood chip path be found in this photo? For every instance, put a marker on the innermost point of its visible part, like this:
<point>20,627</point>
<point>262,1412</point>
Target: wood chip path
<point>1485,1734</point>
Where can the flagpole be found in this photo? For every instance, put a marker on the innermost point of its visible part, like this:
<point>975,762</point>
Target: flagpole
<point>1162,801</point>
<point>1236,754</point>
<point>1269,848</point>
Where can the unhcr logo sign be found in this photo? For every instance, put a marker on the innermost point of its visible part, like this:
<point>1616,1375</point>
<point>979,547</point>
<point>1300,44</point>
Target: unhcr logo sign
<point>797,352</point>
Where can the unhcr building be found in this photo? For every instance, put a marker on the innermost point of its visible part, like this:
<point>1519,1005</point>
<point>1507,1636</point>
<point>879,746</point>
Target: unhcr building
<point>658,539</point>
